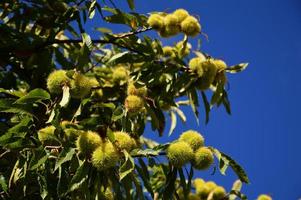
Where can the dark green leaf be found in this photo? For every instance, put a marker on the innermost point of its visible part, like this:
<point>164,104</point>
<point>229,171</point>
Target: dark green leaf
<point>117,57</point>
<point>65,156</point>
<point>226,102</point>
<point>225,161</point>
<point>118,113</point>
<point>110,135</point>
<point>206,105</point>
<point>12,92</point>
<point>127,167</point>
<point>40,162</point>
<point>131,4</point>
<point>3,184</point>
<point>33,96</point>
<point>183,182</point>
<point>81,175</point>
<point>143,174</point>
<point>170,185</point>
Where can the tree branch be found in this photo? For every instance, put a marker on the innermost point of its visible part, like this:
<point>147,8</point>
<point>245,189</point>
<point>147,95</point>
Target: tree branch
<point>103,41</point>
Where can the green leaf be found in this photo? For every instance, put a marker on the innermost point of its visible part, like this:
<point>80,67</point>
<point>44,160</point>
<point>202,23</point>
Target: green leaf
<point>87,41</point>
<point>40,162</point>
<point>127,167</point>
<point>110,135</point>
<point>225,161</point>
<point>8,106</point>
<point>3,184</point>
<point>92,9</point>
<point>226,102</point>
<point>33,96</point>
<point>118,114</point>
<point>237,185</point>
<point>157,118</point>
<point>131,4</point>
<point>117,57</point>
<point>65,156</point>
<point>218,94</point>
<point>12,92</point>
<point>194,103</point>
<point>173,124</point>
<point>237,68</point>
<point>81,175</point>
<point>145,152</point>
<point>170,185</point>
<point>234,194</point>
<point>180,114</point>
<point>66,96</point>
<point>183,182</point>
<point>207,106</point>
<point>143,174</point>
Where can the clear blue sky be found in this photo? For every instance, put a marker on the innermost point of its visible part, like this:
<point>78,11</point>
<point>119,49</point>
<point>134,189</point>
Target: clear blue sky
<point>263,134</point>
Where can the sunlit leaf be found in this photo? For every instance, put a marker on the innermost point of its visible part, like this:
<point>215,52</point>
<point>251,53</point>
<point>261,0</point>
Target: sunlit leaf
<point>127,167</point>
<point>66,96</point>
<point>237,68</point>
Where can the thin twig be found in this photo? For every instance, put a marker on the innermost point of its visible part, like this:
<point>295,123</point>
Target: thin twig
<point>3,154</point>
<point>53,147</point>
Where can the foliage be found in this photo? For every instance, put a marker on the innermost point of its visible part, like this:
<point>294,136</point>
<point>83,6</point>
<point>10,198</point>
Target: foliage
<point>74,109</point>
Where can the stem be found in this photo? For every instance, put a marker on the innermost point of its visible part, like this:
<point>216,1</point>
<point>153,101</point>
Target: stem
<point>102,41</point>
<point>152,155</point>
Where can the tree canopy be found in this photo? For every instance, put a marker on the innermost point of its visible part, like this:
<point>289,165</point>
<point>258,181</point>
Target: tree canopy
<point>74,109</point>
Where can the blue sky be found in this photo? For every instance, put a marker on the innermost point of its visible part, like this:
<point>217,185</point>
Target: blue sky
<point>263,133</point>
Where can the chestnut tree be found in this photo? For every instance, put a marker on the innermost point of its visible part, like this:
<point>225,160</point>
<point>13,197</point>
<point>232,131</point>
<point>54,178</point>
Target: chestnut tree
<point>73,108</point>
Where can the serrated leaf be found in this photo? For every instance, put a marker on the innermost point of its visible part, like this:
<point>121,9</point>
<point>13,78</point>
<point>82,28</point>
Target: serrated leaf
<point>33,96</point>
<point>145,152</point>
<point>127,167</point>
<point>66,96</point>
<point>225,161</point>
<point>65,156</point>
<point>169,187</point>
<point>92,9</point>
<point>81,175</point>
<point>12,92</point>
<point>40,162</point>
<point>87,41</point>
<point>117,57</point>
<point>237,68</point>
<point>173,119</point>
<point>8,106</point>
